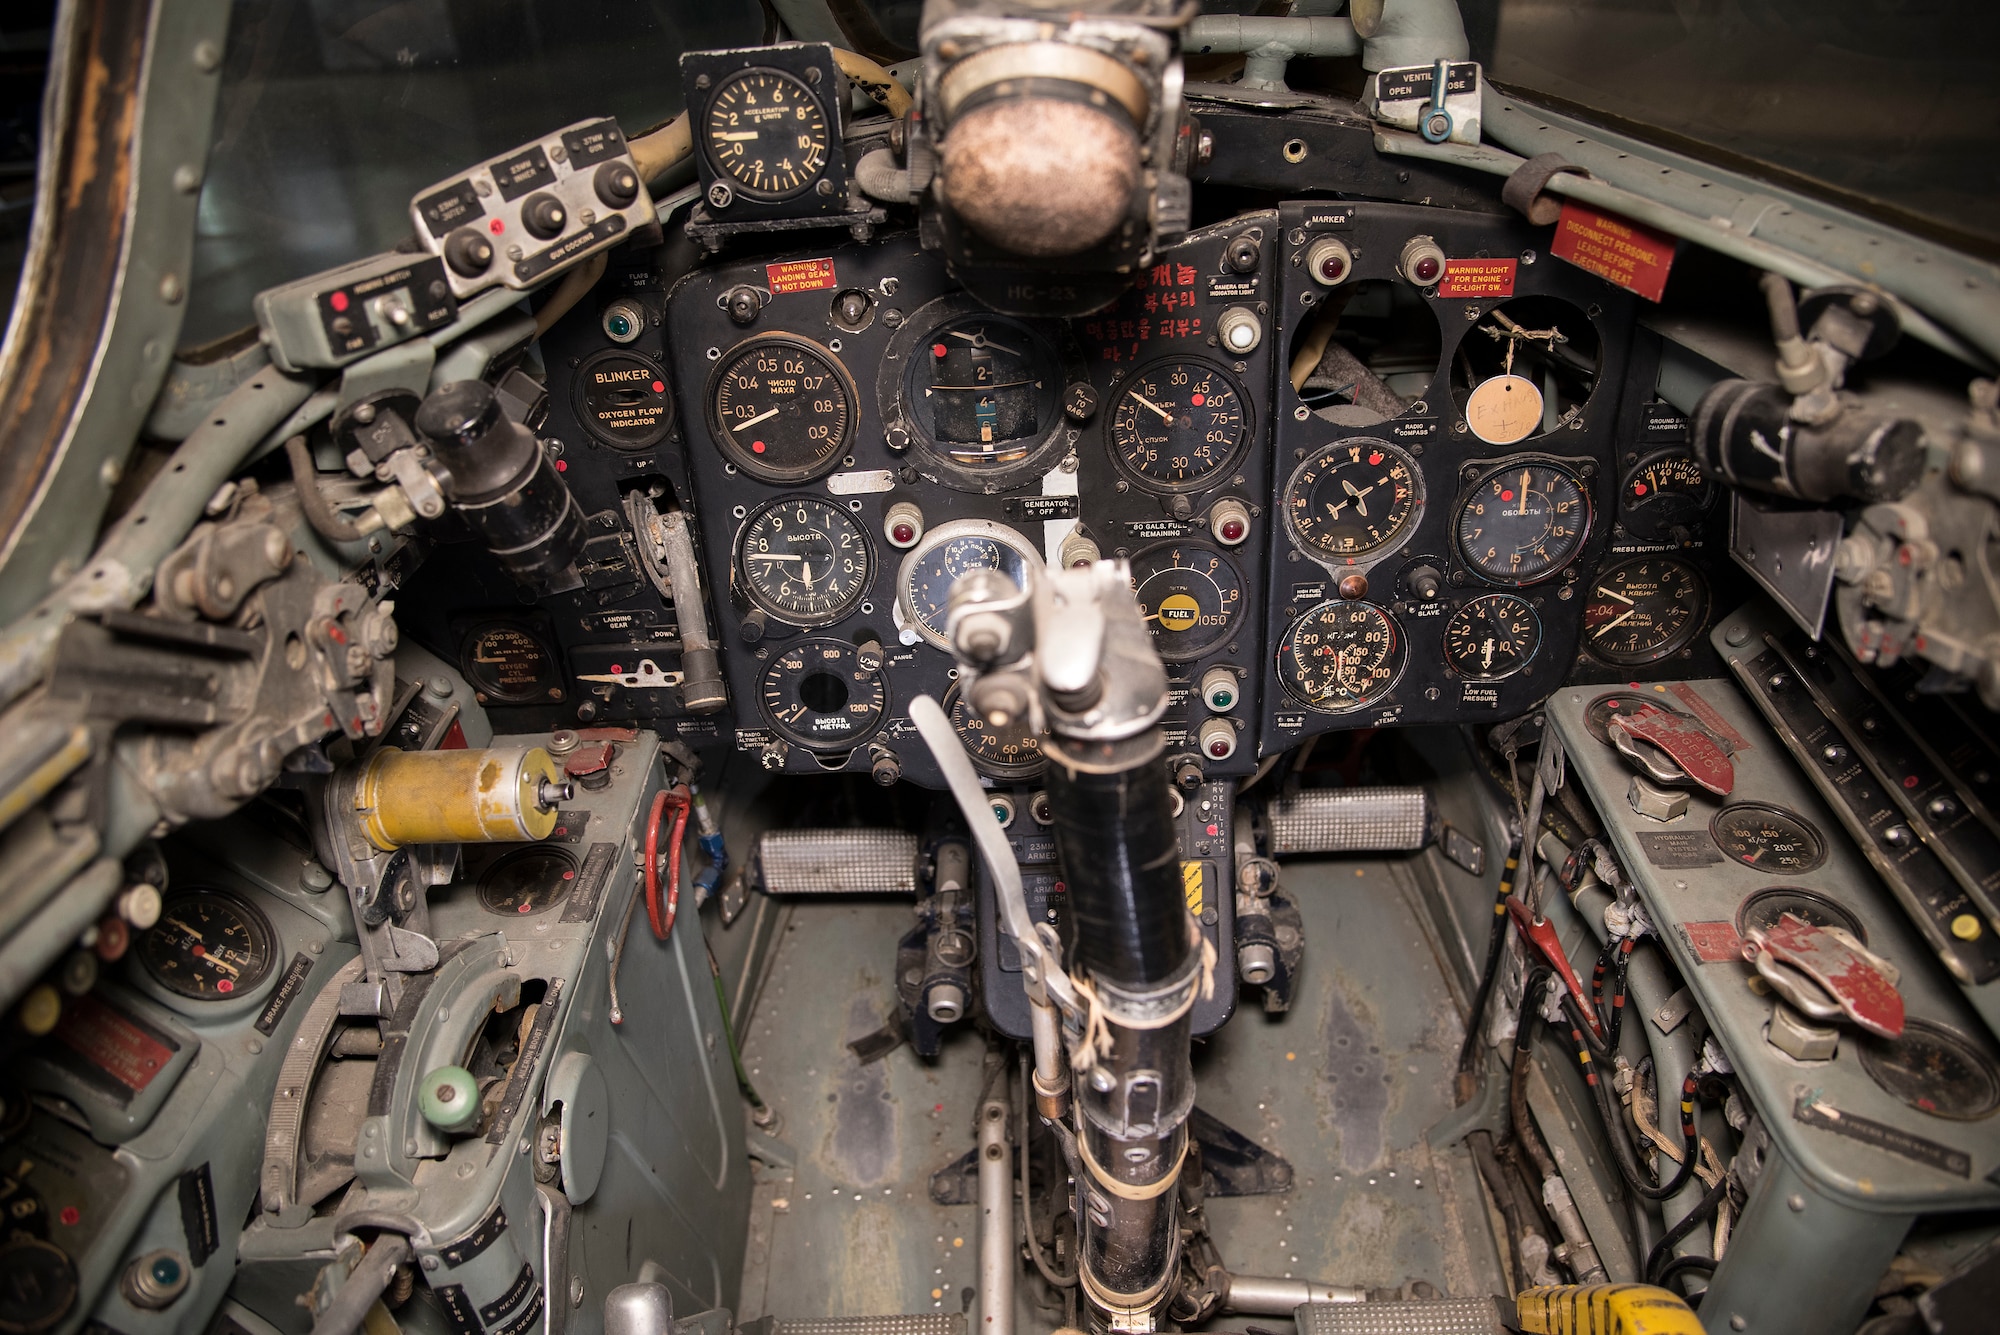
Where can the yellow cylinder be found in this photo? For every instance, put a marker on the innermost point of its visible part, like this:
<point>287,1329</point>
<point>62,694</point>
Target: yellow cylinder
<point>487,796</point>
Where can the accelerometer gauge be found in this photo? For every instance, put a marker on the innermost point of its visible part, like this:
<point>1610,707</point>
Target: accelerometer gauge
<point>781,407</point>
<point>1189,595</point>
<point>984,390</point>
<point>767,132</point>
<point>1763,910</point>
<point>1341,656</point>
<point>1663,491</point>
<point>208,945</point>
<point>1523,523</point>
<point>945,553</point>
<point>1767,838</point>
<point>817,695</point>
<point>1353,499</point>
<point>1013,752</point>
<point>526,881</point>
<point>1178,423</point>
<point>803,560</point>
<point>508,664</point>
<point>1934,1070</point>
<point>1643,610</point>
<point>1491,637</point>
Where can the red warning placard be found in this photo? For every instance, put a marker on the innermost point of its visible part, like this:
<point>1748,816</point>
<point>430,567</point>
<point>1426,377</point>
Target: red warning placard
<point>1477,278</point>
<point>1615,249</point>
<point>799,276</point>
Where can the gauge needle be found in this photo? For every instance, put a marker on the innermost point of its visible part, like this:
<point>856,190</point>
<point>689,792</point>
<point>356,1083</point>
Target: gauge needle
<point>1164,414</point>
<point>1612,593</point>
<point>176,922</point>
<point>981,341</point>
<point>737,136</point>
<point>1486,659</point>
<point>1612,624</point>
<point>767,413</point>
<point>1524,492</point>
<point>216,959</point>
<point>774,556</point>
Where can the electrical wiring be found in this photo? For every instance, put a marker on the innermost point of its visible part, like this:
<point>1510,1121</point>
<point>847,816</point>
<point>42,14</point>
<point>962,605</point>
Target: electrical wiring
<point>1495,948</point>
<point>661,915</point>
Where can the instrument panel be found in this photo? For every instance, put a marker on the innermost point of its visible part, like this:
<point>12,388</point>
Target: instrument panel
<point>1349,499</point>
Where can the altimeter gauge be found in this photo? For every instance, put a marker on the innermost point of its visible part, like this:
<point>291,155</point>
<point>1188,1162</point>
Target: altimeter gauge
<point>803,560</point>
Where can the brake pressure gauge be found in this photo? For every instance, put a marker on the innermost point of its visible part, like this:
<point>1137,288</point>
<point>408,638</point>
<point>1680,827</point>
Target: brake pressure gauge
<point>208,946</point>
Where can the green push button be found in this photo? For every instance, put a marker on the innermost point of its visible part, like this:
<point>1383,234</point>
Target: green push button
<point>449,1099</point>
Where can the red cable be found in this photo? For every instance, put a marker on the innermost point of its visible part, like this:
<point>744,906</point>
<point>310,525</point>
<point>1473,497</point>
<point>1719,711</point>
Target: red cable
<point>662,919</point>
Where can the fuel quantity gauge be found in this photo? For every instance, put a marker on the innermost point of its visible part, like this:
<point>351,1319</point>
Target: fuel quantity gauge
<point>1492,637</point>
<point>1189,595</point>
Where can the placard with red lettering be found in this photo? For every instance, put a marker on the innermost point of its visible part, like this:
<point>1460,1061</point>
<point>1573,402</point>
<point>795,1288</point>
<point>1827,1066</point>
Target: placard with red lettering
<point>1616,249</point>
<point>799,276</point>
<point>1478,279</point>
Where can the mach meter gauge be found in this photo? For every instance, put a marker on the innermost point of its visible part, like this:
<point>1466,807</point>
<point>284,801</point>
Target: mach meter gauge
<point>767,130</point>
<point>781,408</point>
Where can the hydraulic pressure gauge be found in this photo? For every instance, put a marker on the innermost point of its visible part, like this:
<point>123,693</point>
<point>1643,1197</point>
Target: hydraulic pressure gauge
<point>1665,491</point>
<point>1013,752</point>
<point>803,560</point>
<point>1643,610</point>
<point>1354,499</point>
<point>817,695</point>
<point>945,553</point>
<point>208,946</point>
<point>766,131</point>
<point>1189,595</point>
<point>1341,656</point>
<point>1177,424</point>
<point>1491,637</point>
<point>1523,522</point>
<point>782,408</point>
<point>1768,838</point>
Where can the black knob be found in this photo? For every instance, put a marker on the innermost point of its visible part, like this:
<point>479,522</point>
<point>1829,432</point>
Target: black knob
<point>1179,507</point>
<point>468,252</point>
<point>752,626</point>
<point>616,184</point>
<point>1424,582</point>
<point>543,215</point>
<point>1243,254</point>
<point>743,304</point>
<point>1079,401</point>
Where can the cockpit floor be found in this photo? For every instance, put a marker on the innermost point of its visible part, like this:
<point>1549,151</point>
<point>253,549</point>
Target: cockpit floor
<point>1344,1086</point>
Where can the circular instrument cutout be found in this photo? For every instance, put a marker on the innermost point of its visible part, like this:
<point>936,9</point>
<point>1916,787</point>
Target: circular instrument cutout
<point>1525,368</point>
<point>1342,656</point>
<point>528,881</point>
<point>1935,1070</point>
<point>1523,522</point>
<point>1354,499</point>
<point>816,694</point>
<point>1178,424</point>
<point>1768,838</point>
<point>782,408</point>
<point>1189,595</point>
<point>803,560</point>
<point>208,946</point>
<point>1643,610</point>
<point>767,132</point>
<point>1492,637</point>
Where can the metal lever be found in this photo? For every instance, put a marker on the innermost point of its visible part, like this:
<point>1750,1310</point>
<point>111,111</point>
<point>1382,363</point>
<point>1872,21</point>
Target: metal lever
<point>1859,984</point>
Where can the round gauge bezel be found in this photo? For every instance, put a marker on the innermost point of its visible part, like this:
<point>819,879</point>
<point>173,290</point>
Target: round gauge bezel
<point>1169,652</point>
<point>1769,809</point>
<point>1400,651</point>
<point>1645,461</point>
<point>586,415</point>
<point>1003,771</point>
<point>1390,545</point>
<point>554,852</point>
<point>943,534</point>
<point>747,461</point>
<point>1463,608</point>
<point>895,386</point>
<point>264,949</point>
<point>1822,903</point>
<point>803,738</point>
<point>1491,469</point>
<point>487,688</point>
<point>710,150</point>
<point>1668,647</point>
<point>1975,1055</point>
<point>1208,480</point>
<point>769,606</point>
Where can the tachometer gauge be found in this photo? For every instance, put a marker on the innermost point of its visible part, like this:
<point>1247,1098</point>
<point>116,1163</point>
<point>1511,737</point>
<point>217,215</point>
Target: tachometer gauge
<point>1177,424</point>
<point>1491,637</point>
<point>782,408</point>
<point>1189,595</point>
<point>1341,656</point>
<point>1012,752</point>
<point>1523,523</point>
<point>208,946</point>
<point>766,131</point>
<point>1353,499</point>
<point>1767,838</point>
<point>1643,610</point>
<point>817,695</point>
<point>803,560</point>
<point>527,881</point>
<point>945,553</point>
<point>985,390</point>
